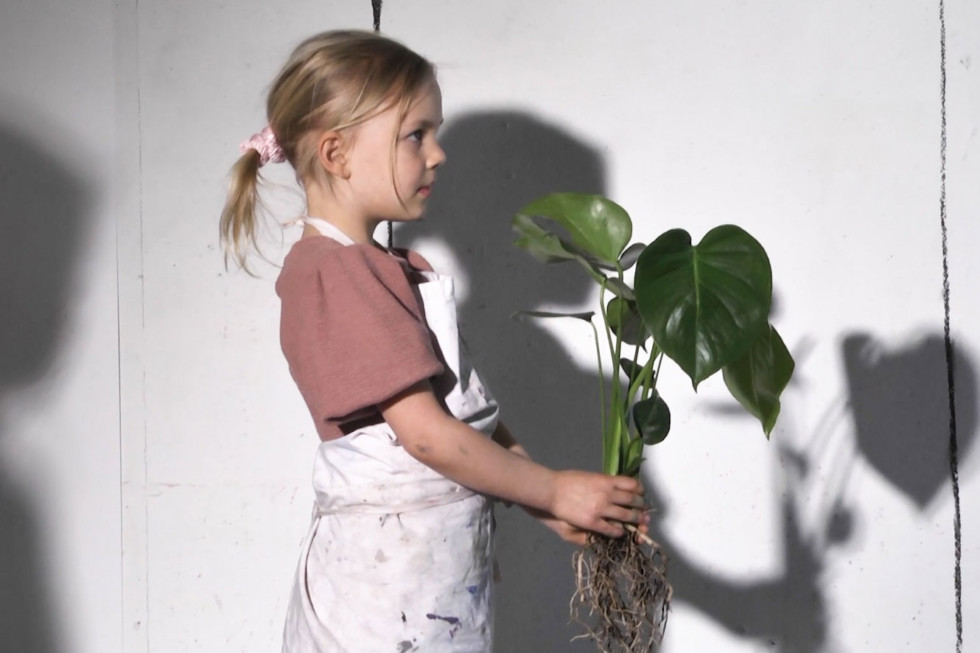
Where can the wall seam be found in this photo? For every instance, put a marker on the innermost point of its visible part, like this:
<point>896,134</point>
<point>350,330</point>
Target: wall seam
<point>131,325</point>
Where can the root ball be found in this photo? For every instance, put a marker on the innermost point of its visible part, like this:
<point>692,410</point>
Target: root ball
<point>622,596</point>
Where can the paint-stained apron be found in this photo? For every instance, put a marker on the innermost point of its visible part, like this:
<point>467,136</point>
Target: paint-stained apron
<point>398,558</point>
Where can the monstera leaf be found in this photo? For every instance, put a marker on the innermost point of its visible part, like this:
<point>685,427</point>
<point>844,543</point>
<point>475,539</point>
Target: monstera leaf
<point>543,245</point>
<point>596,225</point>
<point>652,418</point>
<point>758,378</point>
<point>624,320</point>
<point>705,304</point>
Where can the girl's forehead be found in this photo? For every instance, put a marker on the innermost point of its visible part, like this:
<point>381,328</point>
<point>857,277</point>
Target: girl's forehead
<point>428,98</point>
<point>424,107</point>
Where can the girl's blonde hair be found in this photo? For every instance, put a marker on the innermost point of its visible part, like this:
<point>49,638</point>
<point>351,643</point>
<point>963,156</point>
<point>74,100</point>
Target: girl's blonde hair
<point>332,81</point>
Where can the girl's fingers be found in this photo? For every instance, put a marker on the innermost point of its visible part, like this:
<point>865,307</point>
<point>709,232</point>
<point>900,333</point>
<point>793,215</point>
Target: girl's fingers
<point>628,484</point>
<point>609,528</point>
<point>628,499</point>
<point>624,515</point>
<point>578,537</point>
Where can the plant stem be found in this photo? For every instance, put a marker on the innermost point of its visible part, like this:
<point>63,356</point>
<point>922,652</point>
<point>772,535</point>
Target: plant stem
<point>612,348</point>
<point>595,274</point>
<point>652,382</point>
<point>602,384</point>
<point>615,388</point>
<point>631,387</point>
<point>613,436</point>
<point>619,336</point>
<point>624,402</point>
<point>611,433</point>
<point>643,378</point>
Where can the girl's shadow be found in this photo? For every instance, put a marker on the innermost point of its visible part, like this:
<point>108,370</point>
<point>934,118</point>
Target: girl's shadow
<point>498,162</point>
<point>43,220</point>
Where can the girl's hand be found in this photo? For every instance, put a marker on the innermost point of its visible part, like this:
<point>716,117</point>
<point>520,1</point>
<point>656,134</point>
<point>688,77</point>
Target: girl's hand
<point>597,502</point>
<point>574,534</point>
<point>564,530</point>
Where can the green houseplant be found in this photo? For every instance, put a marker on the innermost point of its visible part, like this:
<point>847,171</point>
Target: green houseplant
<point>706,307</point>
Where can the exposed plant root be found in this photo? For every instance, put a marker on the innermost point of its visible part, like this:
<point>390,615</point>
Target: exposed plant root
<point>622,596</point>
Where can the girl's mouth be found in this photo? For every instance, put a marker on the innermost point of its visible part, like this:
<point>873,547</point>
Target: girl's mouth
<point>425,191</point>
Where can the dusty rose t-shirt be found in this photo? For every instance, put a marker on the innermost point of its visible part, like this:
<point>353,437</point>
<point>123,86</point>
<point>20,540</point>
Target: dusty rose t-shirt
<point>352,329</point>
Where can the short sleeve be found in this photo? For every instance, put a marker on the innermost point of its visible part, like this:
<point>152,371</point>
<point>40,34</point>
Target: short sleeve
<point>352,330</point>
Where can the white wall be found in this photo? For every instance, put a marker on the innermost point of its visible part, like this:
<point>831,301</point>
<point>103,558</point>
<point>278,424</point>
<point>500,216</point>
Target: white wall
<point>815,127</point>
<point>963,198</point>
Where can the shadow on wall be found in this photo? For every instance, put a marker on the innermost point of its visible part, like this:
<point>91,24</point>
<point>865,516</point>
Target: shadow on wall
<point>497,162</point>
<point>43,217</point>
<point>900,403</point>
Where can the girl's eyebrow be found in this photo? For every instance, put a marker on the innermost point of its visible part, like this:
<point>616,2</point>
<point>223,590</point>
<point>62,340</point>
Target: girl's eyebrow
<point>428,124</point>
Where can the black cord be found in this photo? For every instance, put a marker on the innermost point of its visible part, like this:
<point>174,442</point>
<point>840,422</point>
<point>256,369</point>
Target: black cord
<point>948,341</point>
<point>376,9</point>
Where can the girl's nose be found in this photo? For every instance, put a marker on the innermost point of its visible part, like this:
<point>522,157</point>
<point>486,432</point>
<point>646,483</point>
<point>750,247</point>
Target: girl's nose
<point>437,156</point>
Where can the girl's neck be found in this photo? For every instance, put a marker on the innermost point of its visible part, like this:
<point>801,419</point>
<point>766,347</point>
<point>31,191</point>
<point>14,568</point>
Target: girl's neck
<point>354,234</point>
<point>357,228</point>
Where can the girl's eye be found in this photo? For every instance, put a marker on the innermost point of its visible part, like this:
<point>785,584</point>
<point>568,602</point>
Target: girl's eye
<point>415,135</point>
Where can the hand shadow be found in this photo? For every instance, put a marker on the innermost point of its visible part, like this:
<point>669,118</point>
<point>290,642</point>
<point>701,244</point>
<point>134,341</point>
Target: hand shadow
<point>43,219</point>
<point>497,162</point>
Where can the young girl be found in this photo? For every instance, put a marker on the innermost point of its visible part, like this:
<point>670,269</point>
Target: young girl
<point>398,555</point>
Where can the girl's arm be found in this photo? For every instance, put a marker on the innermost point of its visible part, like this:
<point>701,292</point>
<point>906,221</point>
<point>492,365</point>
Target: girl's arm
<point>566,531</point>
<point>596,502</point>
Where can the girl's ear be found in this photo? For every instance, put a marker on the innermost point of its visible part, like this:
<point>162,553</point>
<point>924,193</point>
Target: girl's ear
<point>332,154</point>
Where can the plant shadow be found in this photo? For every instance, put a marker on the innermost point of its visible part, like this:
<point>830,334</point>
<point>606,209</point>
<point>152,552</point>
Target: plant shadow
<point>43,219</point>
<point>900,403</point>
<point>497,162</point>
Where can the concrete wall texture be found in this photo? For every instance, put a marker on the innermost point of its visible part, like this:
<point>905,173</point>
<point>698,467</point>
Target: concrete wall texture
<point>155,456</point>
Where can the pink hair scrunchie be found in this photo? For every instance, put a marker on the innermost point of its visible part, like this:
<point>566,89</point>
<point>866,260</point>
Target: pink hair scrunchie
<point>266,145</point>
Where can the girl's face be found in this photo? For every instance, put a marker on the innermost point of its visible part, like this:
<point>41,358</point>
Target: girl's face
<point>417,155</point>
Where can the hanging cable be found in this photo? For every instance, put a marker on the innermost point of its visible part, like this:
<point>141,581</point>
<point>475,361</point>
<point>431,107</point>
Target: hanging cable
<point>948,341</point>
<point>376,10</point>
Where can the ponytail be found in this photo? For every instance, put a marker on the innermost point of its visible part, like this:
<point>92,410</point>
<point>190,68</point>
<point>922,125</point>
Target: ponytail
<point>238,218</point>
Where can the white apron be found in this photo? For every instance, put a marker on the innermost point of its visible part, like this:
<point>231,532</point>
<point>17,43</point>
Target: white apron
<point>398,558</point>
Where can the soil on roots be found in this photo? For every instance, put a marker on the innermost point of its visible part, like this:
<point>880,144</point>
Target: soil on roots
<point>622,595</point>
